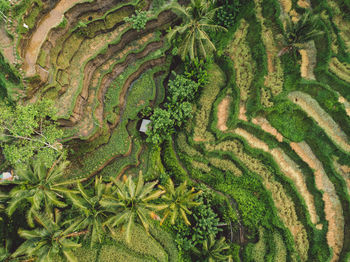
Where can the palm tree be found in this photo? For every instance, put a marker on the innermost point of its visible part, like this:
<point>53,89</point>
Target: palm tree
<point>92,214</point>
<point>39,186</point>
<point>212,250</point>
<point>301,32</point>
<point>5,250</point>
<point>178,201</point>
<point>197,21</point>
<point>44,244</point>
<point>3,199</point>
<point>129,202</point>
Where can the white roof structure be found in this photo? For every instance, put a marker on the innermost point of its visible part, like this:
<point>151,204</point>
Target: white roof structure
<point>144,125</point>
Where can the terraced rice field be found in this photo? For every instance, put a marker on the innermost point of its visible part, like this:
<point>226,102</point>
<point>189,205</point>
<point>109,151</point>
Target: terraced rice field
<point>288,171</point>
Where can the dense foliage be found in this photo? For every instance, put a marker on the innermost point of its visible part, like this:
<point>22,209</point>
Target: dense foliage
<point>26,131</point>
<point>249,133</point>
<point>138,20</point>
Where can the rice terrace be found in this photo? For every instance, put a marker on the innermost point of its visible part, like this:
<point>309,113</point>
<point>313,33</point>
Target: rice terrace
<point>174,130</point>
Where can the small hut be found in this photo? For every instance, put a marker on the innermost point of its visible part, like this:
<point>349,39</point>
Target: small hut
<point>144,125</point>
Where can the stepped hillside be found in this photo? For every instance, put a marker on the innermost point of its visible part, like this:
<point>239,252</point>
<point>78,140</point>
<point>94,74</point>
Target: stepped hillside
<point>269,134</point>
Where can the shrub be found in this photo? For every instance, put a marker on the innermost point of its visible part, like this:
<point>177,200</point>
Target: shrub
<point>177,109</point>
<point>291,122</point>
<point>162,126</point>
<point>181,89</point>
<point>197,70</point>
<point>138,20</point>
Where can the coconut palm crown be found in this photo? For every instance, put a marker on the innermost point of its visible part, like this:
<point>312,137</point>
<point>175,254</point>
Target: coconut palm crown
<point>300,32</point>
<point>91,214</point>
<point>42,187</point>
<point>51,240</point>
<point>129,203</point>
<point>192,34</point>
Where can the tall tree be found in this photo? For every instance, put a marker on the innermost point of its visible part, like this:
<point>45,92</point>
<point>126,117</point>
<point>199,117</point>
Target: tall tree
<point>42,187</point>
<point>298,33</point>
<point>29,130</point>
<point>48,242</point>
<point>178,201</point>
<point>129,202</point>
<point>192,35</point>
<point>212,250</point>
<point>92,214</point>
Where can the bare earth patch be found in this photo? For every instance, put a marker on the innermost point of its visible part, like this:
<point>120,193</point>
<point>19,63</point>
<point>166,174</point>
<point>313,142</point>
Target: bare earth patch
<point>308,61</point>
<point>346,104</point>
<point>223,111</point>
<point>286,5</point>
<point>304,3</point>
<point>265,125</point>
<point>242,111</point>
<point>313,109</point>
<point>288,167</point>
<point>333,208</point>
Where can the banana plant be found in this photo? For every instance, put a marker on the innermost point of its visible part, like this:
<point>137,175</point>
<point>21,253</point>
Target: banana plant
<point>178,201</point>
<point>129,203</point>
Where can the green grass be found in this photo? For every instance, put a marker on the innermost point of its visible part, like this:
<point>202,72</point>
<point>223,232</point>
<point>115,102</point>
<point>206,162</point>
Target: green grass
<point>142,243</point>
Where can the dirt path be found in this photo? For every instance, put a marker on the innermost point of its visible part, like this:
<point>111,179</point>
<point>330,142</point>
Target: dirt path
<point>288,167</point>
<point>313,109</point>
<point>53,18</point>
<point>333,208</point>
<point>223,111</point>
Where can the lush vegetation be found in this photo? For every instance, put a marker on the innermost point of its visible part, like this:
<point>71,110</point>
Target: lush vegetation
<point>247,153</point>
